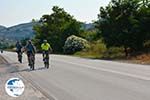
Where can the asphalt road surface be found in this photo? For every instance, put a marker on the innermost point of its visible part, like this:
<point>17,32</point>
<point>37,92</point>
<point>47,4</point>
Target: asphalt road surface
<point>74,78</point>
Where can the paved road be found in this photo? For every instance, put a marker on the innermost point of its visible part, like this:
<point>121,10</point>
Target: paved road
<point>6,73</point>
<point>73,78</point>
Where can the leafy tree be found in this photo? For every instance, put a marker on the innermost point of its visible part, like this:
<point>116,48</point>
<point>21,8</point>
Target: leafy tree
<point>120,24</point>
<point>56,27</point>
<point>90,35</point>
<point>24,41</point>
<point>144,18</point>
<point>4,45</point>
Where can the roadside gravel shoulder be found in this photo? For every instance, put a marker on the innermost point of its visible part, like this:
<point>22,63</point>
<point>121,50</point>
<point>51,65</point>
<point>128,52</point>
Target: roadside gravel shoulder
<point>30,92</point>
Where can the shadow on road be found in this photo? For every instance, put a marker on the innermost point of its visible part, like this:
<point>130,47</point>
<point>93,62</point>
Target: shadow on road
<point>27,70</point>
<point>16,63</point>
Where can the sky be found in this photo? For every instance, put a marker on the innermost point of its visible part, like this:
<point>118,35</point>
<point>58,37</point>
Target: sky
<point>13,12</point>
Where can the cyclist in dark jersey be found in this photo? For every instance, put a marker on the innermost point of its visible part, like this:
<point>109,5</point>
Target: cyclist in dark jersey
<point>18,50</point>
<point>30,48</point>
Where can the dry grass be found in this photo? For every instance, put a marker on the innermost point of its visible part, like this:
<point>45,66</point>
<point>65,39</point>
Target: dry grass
<point>142,58</point>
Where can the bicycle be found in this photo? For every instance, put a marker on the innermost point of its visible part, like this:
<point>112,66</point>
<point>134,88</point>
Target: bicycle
<point>31,61</point>
<point>20,57</point>
<point>46,59</point>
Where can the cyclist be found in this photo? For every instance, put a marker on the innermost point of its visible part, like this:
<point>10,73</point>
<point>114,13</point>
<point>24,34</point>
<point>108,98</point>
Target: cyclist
<point>46,48</point>
<point>18,50</point>
<point>30,48</point>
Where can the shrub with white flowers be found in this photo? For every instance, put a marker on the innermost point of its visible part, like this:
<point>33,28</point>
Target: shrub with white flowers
<point>74,44</point>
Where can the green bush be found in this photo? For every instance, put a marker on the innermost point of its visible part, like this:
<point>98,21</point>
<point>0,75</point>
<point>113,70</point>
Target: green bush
<point>96,50</point>
<point>74,44</point>
<point>89,35</point>
<point>99,50</point>
<point>114,53</point>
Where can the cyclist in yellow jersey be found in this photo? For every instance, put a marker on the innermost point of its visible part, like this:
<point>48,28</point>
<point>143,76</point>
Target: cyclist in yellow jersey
<point>46,48</point>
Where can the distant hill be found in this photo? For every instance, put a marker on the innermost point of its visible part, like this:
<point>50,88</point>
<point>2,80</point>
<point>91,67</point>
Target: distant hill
<point>23,31</point>
<point>2,27</point>
<point>88,26</point>
<point>17,32</point>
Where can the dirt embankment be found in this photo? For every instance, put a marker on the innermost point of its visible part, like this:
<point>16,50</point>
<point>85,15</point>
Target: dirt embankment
<point>142,59</point>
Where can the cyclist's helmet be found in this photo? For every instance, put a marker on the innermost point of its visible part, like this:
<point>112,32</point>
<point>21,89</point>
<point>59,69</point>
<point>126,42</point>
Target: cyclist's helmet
<point>29,41</point>
<point>17,41</point>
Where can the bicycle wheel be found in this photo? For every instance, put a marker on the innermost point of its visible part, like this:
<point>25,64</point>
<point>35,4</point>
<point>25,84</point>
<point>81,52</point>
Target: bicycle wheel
<point>32,62</point>
<point>46,63</point>
<point>20,57</point>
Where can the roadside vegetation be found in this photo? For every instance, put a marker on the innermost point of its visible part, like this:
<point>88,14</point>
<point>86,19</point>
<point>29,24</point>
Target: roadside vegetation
<point>56,28</point>
<point>120,32</point>
<point>5,45</point>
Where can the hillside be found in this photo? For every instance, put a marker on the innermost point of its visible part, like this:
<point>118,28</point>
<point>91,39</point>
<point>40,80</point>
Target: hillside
<point>2,27</point>
<point>17,32</point>
<point>25,30</point>
<point>88,26</point>
<point>10,35</point>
